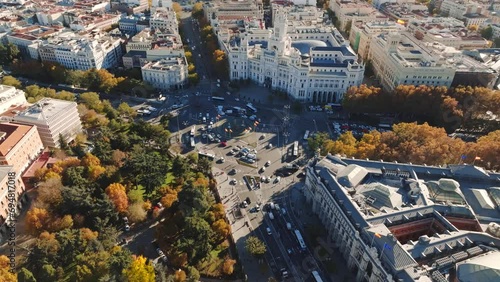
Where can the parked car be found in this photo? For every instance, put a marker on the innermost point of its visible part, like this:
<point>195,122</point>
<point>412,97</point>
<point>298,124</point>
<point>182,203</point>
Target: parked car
<point>269,231</point>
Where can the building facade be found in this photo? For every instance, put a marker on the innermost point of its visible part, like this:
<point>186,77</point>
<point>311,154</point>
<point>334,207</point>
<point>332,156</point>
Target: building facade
<point>10,97</point>
<point>361,35</point>
<point>398,58</point>
<point>166,74</point>
<point>310,63</point>
<point>350,12</point>
<point>53,118</point>
<point>82,52</point>
<point>395,222</point>
<point>20,145</point>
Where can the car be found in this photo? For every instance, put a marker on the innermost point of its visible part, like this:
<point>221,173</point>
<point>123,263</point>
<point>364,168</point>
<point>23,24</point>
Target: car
<point>263,136</point>
<point>263,169</point>
<point>269,146</point>
<point>277,179</point>
<point>232,171</point>
<point>159,252</point>
<point>244,204</point>
<point>283,211</point>
<point>233,181</point>
<point>268,163</point>
<point>257,207</point>
<point>236,99</point>
<point>248,200</point>
<point>127,227</point>
<point>222,160</point>
<point>290,251</point>
<point>125,219</point>
<point>269,231</point>
<point>164,258</point>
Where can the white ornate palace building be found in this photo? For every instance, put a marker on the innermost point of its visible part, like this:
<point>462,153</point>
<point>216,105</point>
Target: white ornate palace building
<point>309,61</point>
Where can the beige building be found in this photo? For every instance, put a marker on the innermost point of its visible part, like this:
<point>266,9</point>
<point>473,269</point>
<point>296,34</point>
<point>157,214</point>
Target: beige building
<point>10,97</point>
<point>20,145</point>
<point>11,192</point>
<point>355,11</point>
<point>166,74</point>
<point>53,118</point>
<point>361,35</point>
<point>399,58</point>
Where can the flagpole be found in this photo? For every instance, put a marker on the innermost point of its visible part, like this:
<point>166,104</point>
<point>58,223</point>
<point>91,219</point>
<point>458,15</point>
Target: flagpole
<point>382,252</point>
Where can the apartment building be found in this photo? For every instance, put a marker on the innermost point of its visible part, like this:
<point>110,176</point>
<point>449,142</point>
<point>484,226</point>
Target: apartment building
<point>312,63</point>
<point>20,145</point>
<point>53,118</point>
<point>166,74</point>
<point>361,35</point>
<point>404,222</point>
<point>398,58</point>
<point>79,52</point>
<point>233,9</point>
<point>458,8</point>
<point>11,193</point>
<point>24,38</point>
<point>163,18</point>
<point>447,31</point>
<point>10,97</point>
<point>349,12</point>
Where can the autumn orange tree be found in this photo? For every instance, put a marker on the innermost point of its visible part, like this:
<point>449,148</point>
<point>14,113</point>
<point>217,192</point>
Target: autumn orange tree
<point>118,195</point>
<point>5,270</point>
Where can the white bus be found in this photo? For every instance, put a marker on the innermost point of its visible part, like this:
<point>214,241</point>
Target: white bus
<point>316,276</point>
<point>296,148</point>
<point>300,239</point>
<point>193,130</point>
<point>193,144</point>
<point>306,135</point>
<point>251,107</point>
<point>215,98</point>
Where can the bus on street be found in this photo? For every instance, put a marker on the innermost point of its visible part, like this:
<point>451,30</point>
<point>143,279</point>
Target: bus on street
<point>193,143</point>
<point>306,135</point>
<point>296,148</point>
<point>300,239</point>
<point>215,98</point>
<point>316,276</point>
<point>251,107</point>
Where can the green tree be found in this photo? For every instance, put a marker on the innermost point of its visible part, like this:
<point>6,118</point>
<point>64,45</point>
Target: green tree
<point>146,168</point>
<point>25,275</point>
<point>8,53</point>
<point>255,246</point>
<point>317,141</point>
<point>11,81</point>
<point>193,275</point>
<point>92,101</point>
<point>487,32</point>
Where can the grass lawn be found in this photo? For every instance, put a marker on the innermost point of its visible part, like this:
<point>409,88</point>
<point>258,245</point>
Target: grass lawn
<point>212,265</point>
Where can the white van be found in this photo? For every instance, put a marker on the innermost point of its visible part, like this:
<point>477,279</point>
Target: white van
<point>271,215</point>
<point>271,205</point>
<point>288,226</point>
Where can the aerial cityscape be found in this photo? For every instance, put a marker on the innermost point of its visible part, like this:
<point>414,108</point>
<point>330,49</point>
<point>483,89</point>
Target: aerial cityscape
<point>250,140</point>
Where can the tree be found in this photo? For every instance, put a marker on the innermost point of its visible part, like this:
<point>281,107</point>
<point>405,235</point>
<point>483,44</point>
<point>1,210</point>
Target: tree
<point>146,168</point>
<point>197,11</point>
<point>49,193</point>
<point>24,275</point>
<point>8,54</point>
<point>11,81</point>
<point>117,194</point>
<point>316,142</point>
<point>177,7</point>
<point>92,101</point>
<point>487,32</point>
<point>136,212</point>
<point>228,266</point>
<point>191,68</point>
<point>255,246</point>
<point>140,271</point>
<point>5,267</point>
<point>125,110</point>
<point>221,229</point>
<point>180,276</point>
<point>36,220</point>
<point>193,275</point>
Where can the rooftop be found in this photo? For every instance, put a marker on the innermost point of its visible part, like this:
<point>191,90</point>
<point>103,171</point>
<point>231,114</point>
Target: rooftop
<point>44,109</point>
<point>10,135</point>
